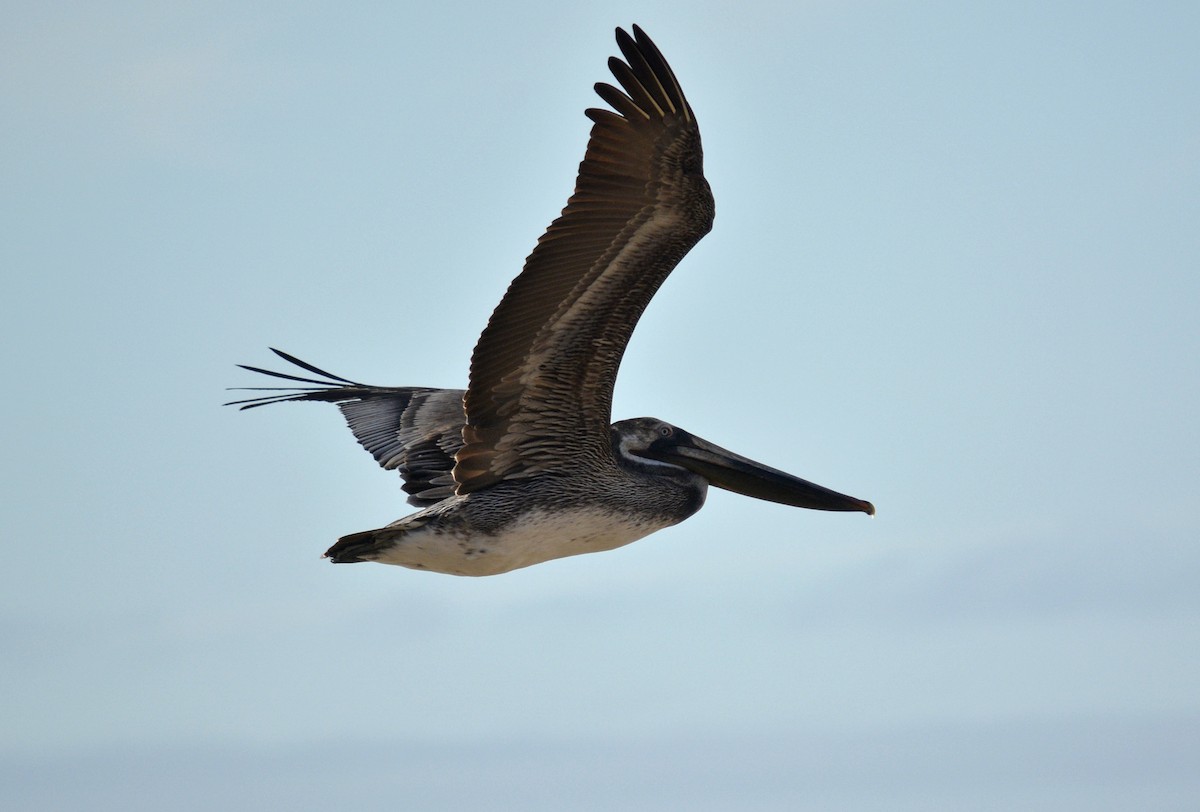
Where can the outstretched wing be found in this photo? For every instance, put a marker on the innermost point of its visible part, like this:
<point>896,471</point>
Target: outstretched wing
<point>413,430</point>
<point>542,374</point>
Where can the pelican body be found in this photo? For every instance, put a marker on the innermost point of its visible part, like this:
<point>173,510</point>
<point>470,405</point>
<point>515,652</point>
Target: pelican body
<point>524,466</point>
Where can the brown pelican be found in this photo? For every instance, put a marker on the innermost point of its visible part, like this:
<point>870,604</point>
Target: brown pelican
<point>524,466</point>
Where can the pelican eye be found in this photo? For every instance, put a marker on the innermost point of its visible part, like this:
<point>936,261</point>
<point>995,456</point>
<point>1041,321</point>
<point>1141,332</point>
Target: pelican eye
<point>665,430</point>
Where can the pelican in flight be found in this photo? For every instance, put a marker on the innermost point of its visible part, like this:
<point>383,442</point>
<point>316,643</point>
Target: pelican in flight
<point>525,466</point>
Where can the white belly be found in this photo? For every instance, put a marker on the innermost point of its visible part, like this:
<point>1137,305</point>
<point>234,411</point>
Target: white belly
<point>537,537</point>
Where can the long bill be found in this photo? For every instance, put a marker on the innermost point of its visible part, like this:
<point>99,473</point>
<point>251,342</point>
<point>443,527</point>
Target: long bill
<point>736,473</point>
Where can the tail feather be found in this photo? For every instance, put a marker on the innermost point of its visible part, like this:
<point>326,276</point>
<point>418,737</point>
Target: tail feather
<point>366,546</point>
<point>357,548</point>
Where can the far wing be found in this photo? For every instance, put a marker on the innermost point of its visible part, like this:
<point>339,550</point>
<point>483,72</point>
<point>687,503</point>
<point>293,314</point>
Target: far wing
<point>413,430</point>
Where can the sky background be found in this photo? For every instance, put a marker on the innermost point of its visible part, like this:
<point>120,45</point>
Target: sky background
<point>955,271</point>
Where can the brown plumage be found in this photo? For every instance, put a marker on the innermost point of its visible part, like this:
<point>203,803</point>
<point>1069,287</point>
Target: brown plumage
<point>542,376</point>
<point>526,465</point>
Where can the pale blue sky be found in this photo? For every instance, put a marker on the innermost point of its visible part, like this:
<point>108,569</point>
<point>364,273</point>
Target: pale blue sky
<point>954,271</point>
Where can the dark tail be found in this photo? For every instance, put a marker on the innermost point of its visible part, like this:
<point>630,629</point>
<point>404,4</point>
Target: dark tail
<point>357,547</point>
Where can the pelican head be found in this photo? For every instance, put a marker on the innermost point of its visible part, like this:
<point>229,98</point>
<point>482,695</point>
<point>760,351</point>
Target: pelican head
<point>654,442</point>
